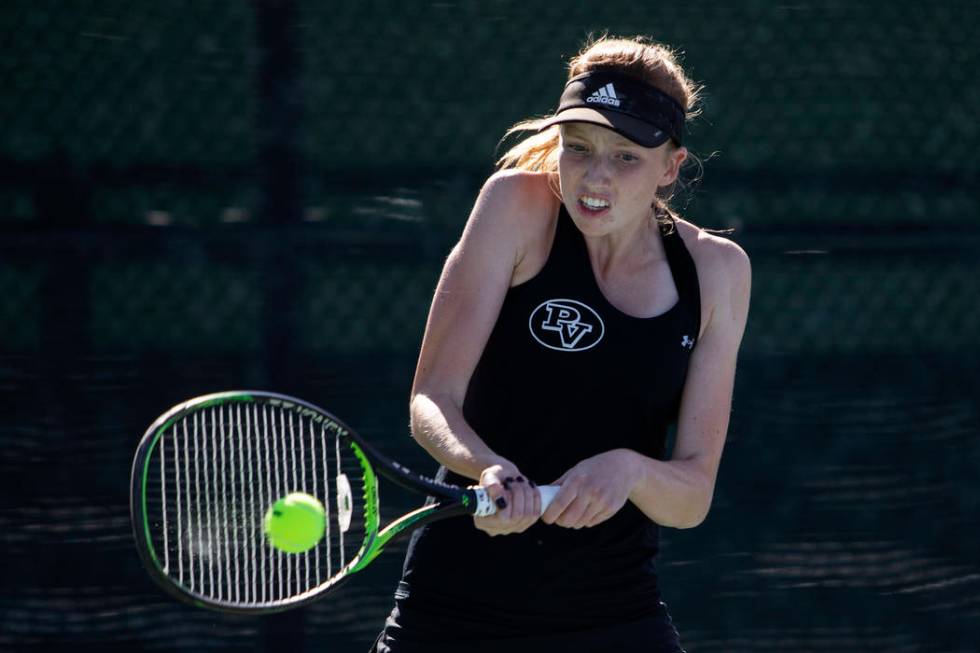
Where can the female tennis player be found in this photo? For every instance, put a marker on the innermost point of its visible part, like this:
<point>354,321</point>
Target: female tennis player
<point>576,319</point>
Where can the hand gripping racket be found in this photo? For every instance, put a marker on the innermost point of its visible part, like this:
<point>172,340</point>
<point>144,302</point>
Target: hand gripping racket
<point>207,470</point>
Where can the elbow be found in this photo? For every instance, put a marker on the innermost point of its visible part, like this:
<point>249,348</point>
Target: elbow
<point>698,510</point>
<point>699,495</point>
<point>417,409</point>
<point>425,417</point>
<point>414,402</point>
<point>692,521</point>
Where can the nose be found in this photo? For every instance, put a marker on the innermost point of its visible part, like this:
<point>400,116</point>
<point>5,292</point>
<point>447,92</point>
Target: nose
<point>597,173</point>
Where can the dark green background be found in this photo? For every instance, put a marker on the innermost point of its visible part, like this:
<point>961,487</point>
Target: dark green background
<point>197,196</point>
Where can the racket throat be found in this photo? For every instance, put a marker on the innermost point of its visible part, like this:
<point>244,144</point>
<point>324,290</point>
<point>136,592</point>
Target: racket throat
<point>345,503</point>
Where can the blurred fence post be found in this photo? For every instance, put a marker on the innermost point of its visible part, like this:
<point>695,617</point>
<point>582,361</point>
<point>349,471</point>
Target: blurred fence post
<point>279,109</point>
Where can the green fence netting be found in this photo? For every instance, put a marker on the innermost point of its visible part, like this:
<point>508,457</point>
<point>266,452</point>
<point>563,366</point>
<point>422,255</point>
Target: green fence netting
<point>197,196</point>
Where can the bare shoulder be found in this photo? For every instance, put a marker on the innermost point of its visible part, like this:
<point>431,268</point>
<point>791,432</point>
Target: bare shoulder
<point>712,251</point>
<point>724,270</point>
<point>523,207</point>
<point>507,199</point>
<point>522,191</point>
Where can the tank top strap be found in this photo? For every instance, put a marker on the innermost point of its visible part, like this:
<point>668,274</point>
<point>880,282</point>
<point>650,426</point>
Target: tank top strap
<point>566,232</point>
<point>683,269</point>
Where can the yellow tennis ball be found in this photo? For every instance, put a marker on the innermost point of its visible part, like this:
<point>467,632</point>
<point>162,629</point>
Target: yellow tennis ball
<point>295,523</point>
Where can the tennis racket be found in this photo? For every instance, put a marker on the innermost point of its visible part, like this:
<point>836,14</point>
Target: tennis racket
<point>207,470</point>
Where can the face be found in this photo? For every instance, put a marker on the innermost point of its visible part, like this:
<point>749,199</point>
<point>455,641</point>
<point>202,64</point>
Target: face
<point>608,182</point>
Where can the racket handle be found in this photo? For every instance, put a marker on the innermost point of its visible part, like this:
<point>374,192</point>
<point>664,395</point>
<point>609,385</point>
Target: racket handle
<point>485,505</point>
<point>547,493</point>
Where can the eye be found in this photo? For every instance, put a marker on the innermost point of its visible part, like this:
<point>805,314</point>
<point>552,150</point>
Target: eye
<point>629,158</point>
<point>576,147</point>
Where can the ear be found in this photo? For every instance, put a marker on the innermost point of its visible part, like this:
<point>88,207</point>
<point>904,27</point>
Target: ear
<point>674,161</point>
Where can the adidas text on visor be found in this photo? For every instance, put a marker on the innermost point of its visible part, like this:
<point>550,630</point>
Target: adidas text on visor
<point>640,112</point>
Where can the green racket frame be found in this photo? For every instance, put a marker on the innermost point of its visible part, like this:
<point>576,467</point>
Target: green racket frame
<point>451,500</point>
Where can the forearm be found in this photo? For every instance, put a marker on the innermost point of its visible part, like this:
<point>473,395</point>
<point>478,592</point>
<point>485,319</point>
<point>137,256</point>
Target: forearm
<point>674,493</point>
<point>439,427</point>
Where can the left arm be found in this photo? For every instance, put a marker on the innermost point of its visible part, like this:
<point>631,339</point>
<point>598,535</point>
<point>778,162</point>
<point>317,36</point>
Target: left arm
<point>677,492</point>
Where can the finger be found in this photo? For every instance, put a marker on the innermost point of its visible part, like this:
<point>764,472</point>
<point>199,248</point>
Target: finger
<point>482,525</point>
<point>531,505</point>
<point>487,524</point>
<point>592,515</point>
<point>494,524</point>
<point>517,500</point>
<point>535,504</point>
<point>500,498</point>
<point>572,515</point>
<point>599,517</point>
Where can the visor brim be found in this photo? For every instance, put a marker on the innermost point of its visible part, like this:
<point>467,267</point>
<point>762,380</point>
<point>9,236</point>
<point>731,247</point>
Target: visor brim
<point>640,132</point>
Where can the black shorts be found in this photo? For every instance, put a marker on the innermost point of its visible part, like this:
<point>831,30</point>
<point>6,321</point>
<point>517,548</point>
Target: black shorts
<point>648,635</point>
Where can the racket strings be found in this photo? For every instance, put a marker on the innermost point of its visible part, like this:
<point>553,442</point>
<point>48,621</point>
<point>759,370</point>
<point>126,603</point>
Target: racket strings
<point>220,468</point>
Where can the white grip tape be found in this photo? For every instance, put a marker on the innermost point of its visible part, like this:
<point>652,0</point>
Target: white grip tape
<point>548,493</point>
<point>485,505</point>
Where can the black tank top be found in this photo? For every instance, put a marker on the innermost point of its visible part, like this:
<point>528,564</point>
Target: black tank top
<point>564,376</point>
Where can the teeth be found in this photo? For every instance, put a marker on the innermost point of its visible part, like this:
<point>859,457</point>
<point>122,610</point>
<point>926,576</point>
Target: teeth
<point>594,203</point>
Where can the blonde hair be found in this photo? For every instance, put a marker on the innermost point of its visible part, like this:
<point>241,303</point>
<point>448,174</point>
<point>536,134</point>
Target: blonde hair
<point>639,56</point>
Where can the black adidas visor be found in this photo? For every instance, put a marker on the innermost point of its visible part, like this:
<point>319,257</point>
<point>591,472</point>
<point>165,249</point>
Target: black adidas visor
<point>631,107</point>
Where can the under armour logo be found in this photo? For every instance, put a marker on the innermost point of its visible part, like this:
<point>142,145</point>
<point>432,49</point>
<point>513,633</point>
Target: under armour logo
<point>566,325</point>
<point>687,342</point>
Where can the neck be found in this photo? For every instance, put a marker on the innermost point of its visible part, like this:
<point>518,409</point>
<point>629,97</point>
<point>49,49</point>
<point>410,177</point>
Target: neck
<point>627,248</point>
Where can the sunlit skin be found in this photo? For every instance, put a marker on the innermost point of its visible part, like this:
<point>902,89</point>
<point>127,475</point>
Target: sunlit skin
<point>507,241</point>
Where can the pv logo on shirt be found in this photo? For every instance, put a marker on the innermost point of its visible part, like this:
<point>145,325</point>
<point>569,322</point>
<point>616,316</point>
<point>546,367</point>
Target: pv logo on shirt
<point>566,325</point>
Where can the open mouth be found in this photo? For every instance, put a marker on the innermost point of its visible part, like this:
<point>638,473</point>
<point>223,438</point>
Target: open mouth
<point>593,206</point>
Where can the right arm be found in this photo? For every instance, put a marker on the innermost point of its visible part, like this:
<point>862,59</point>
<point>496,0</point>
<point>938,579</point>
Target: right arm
<point>465,308</point>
